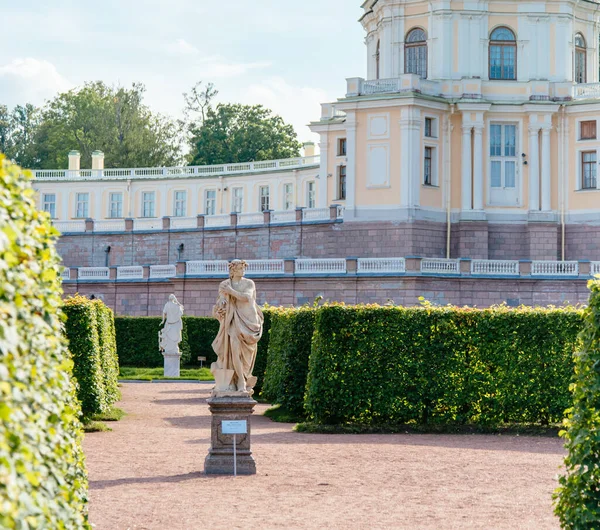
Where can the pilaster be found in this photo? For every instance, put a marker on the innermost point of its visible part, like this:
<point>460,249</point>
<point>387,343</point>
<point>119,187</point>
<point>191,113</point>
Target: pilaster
<point>323,200</point>
<point>351,164</point>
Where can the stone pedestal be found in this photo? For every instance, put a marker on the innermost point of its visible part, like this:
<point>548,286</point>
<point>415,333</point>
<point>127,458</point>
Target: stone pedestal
<point>219,461</point>
<point>172,365</point>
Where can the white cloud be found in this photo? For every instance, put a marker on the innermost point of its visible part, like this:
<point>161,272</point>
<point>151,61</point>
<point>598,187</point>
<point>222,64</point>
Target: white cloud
<point>296,105</point>
<point>217,67</point>
<point>30,80</point>
<point>183,47</point>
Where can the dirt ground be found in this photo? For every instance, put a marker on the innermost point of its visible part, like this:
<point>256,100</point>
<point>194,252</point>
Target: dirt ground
<point>148,474</point>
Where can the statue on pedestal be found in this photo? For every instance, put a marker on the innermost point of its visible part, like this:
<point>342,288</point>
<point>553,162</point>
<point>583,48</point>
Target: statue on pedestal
<point>169,336</point>
<point>241,325</point>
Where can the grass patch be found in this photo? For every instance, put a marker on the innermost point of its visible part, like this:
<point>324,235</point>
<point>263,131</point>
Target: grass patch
<point>281,414</point>
<point>114,414</point>
<point>355,428</point>
<point>95,426</point>
<point>128,373</point>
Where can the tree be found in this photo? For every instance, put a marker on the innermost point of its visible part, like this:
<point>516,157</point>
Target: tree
<point>578,497</point>
<point>240,133</point>
<point>198,101</point>
<point>111,119</point>
<point>17,131</point>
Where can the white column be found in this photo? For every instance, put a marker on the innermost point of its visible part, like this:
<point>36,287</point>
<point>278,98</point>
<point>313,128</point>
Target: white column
<point>351,165</point>
<point>64,214</point>
<point>534,170</point>
<point>478,167</point>
<point>323,200</point>
<point>410,157</point>
<point>546,174</point>
<point>97,212</point>
<point>466,166</point>
<point>386,54</point>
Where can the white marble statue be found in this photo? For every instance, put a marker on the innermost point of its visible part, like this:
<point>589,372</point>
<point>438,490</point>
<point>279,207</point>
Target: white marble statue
<point>169,336</point>
<point>241,324</point>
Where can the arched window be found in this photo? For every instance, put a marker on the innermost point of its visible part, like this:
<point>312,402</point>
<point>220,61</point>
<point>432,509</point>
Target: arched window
<point>503,54</point>
<point>377,56</point>
<point>415,53</point>
<point>580,62</point>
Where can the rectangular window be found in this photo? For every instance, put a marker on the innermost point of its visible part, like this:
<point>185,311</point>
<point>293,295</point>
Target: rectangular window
<point>264,198</point>
<point>429,133</point>
<point>341,183</point>
<point>237,200</point>
<point>288,196</point>
<point>179,208</point>
<point>588,170</point>
<point>210,202</point>
<point>428,167</point>
<point>115,206</point>
<point>82,209</point>
<point>148,204</point>
<point>341,147</point>
<point>504,187</point>
<point>311,194</point>
<point>587,130</point>
<point>49,204</point>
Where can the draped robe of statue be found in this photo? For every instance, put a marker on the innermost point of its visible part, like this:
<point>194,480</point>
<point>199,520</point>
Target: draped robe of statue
<point>241,323</point>
<point>170,335</point>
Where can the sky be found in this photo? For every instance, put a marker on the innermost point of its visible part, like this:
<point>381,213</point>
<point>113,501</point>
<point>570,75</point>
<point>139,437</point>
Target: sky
<point>287,55</point>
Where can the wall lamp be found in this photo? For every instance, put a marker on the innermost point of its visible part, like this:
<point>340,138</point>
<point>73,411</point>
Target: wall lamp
<point>107,250</point>
<point>180,251</point>
<point>524,157</point>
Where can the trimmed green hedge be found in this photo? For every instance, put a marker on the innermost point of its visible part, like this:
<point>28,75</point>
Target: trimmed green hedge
<point>578,497</point>
<point>372,364</point>
<point>43,482</point>
<point>90,332</point>
<point>287,362</point>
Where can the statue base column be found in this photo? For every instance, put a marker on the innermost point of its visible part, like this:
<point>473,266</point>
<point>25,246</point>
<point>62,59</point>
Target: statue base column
<point>172,365</point>
<point>219,461</point>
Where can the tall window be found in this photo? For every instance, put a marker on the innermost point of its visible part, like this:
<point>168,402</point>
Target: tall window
<point>210,202</point>
<point>263,198</point>
<point>311,194</point>
<point>377,59</point>
<point>179,208</point>
<point>341,151</point>
<point>428,167</point>
<point>49,204</point>
<point>148,204</point>
<point>588,170</point>
<point>82,203</point>
<point>115,205</point>
<point>415,53</point>
<point>237,200</point>
<point>341,188</point>
<point>503,54</point>
<point>580,60</point>
<point>503,154</point>
<point>288,196</point>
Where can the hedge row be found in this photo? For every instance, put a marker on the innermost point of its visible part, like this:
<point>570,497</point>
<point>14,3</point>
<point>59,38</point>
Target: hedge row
<point>91,334</point>
<point>43,481</point>
<point>288,352</point>
<point>372,364</point>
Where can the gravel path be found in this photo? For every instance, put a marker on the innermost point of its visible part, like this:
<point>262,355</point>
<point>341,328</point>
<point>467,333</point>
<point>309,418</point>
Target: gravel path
<point>148,474</point>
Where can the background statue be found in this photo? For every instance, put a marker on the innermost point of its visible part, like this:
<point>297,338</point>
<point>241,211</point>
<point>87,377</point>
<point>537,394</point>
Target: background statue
<point>170,336</point>
<point>241,323</point>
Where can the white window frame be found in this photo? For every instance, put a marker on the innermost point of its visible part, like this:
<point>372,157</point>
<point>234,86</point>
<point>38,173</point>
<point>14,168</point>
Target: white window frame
<point>519,162</point>
<point>82,205</point>
<point>111,202</point>
<point>179,204</point>
<point>311,194</point>
<point>210,203</point>
<point>49,206</point>
<point>338,142</point>
<point>237,201</point>
<point>435,133</point>
<point>434,166</point>
<point>288,196</point>
<point>148,204</point>
<point>262,196</point>
<point>579,183</point>
<point>338,176</point>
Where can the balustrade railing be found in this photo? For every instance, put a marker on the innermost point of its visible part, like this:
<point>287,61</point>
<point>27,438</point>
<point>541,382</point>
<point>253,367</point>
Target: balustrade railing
<point>65,274</point>
<point>381,265</point>
<point>283,216</point>
<point>440,266</point>
<point>147,224</point>
<point>207,268</point>
<point>246,219</point>
<point>93,273</point>
<point>381,86</point>
<point>264,266</point>
<point>114,225</point>
<point>486,267</point>
<point>586,91</point>
<point>130,273</point>
<point>315,214</point>
<point>184,222</point>
<point>320,266</point>
<point>69,226</point>
<point>554,268</point>
<point>214,221</point>
<point>163,271</point>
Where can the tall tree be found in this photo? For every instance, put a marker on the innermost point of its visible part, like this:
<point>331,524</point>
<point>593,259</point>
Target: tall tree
<point>111,119</point>
<point>240,133</point>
